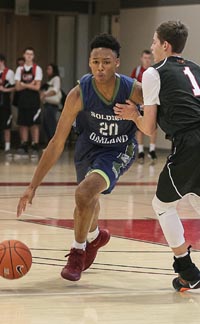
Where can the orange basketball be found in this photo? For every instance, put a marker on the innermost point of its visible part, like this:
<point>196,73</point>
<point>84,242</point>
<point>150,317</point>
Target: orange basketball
<point>15,259</point>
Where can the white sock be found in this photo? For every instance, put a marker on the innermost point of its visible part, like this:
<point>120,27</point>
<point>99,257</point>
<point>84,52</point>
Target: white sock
<point>152,147</point>
<point>80,246</point>
<point>140,148</point>
<point>7,146</point>
<point>181,255</point>
<point>93,235</point>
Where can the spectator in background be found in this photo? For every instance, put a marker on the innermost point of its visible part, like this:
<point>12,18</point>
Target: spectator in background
<point>20,62</point>
<point>28,81</point>
<point>51,97</point>
<point>137,74</point>
<point>7,85</point>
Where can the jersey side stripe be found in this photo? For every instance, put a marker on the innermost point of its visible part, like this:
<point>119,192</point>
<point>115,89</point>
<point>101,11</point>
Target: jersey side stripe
<point>170,175</point>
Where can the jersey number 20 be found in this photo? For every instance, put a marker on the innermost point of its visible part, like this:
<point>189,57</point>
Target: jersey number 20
<point>108,129</point>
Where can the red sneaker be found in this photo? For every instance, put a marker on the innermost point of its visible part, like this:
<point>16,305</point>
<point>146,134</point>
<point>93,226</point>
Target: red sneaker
<point>92,248</point>
<point>75,265</point>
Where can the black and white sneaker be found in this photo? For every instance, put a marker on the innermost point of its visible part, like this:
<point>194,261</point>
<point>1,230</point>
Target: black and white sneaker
<point>22,151</point>
<point>8,155</point>
<point>34,151</point>
<point>141,158</point>
<point>152,155</point>
<point>181,285</point>
<point>188,274</point>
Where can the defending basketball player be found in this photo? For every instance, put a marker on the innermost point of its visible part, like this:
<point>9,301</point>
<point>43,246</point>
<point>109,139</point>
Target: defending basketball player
<point>171,90</point>
<point>105,149</point>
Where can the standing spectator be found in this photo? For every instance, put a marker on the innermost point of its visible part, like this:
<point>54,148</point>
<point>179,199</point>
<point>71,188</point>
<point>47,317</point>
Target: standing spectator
<point>28,81</point>
<point>51,97</point>
<point>137,74</point>
<point>20,62</point>
<point>7,85</point>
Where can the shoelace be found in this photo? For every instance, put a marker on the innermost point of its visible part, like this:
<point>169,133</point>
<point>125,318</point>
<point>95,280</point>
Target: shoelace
<point>75,261</point>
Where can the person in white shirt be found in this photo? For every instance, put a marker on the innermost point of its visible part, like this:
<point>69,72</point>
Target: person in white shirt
<point>7,85</point>
<point>51,97</point>
<point>28,81</point>
<point>171,92</point>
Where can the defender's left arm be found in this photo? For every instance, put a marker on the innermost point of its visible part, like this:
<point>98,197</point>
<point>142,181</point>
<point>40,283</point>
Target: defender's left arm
<point>150,88</point>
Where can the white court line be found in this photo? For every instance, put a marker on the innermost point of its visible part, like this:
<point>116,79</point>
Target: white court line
<point>24,214</point>
<point>89,293</point>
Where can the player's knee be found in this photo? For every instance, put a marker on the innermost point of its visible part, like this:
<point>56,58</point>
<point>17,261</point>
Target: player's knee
<point>161,207</point>
<point>81,196</point>
<point>84,197</point>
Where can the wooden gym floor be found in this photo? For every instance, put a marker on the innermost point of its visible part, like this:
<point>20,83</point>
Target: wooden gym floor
<point>130,281</point>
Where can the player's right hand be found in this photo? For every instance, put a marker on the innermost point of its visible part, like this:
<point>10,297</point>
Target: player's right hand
<point>27,197</point>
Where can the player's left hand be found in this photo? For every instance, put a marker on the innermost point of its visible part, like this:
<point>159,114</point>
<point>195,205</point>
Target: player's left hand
<point>127,111</point>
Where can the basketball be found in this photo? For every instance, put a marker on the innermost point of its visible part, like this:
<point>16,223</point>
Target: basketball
<point>15,259</point>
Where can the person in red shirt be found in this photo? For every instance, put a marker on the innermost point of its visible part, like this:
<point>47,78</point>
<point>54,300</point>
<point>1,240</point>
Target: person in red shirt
<point>137,74</point>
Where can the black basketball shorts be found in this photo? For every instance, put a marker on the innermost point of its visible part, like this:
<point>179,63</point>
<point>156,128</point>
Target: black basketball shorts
<point>5,118</point>
<point>29,116</point>
<point>181,173</point>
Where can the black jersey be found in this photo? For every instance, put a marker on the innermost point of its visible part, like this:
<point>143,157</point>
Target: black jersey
<point>5,96</point>
<point>179,95</point>
<point>28,98</point>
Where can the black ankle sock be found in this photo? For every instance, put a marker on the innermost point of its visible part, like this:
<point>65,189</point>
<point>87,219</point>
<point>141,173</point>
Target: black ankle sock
<point>186,268</point>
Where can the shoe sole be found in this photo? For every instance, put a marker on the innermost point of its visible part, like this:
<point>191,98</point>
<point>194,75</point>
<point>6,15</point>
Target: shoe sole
<point>70,278</point>
<point>179,288</point>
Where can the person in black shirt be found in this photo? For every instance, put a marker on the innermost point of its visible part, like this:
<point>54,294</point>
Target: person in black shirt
<point>171,91</point>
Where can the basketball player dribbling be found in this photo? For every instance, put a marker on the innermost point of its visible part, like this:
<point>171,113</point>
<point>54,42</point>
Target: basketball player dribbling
<point>171,91</point>
<point>105,149</point>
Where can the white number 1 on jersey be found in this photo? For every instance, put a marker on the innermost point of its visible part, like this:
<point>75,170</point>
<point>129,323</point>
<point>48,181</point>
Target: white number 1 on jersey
<point>195,86</point>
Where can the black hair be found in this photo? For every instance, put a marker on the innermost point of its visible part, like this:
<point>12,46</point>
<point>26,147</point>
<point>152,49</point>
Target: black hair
<point>2,58</point>
<point>29,48</point>
<point>175,33</point>
<point>21,58</point>
<point>55,69</point>
<point>106,41</point>
<point>146,51</point>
